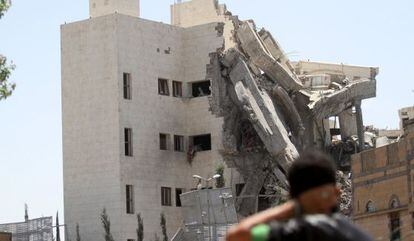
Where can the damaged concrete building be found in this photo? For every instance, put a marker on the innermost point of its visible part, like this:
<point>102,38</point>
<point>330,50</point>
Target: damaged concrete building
<point>146,105</point>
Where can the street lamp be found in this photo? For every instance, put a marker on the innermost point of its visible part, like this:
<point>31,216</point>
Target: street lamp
<point>207,180</point>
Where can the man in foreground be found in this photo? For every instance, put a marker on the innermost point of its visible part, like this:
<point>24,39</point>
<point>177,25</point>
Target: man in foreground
<point>311,213</point>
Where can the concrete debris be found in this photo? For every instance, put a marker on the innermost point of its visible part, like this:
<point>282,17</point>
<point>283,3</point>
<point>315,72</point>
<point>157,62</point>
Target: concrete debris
<point>273,109</point>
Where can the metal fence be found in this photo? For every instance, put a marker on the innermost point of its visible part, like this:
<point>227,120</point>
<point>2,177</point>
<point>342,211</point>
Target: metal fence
<point>39,229</point>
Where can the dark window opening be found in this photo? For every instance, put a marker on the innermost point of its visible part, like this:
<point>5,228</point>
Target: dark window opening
<point>165,196</point>
<point>177,89</point>
<point>127,86</point>
<point>163,87</point>
<point>264,202</point>
<point>200,89</point>
<point>395,228</point>
<point>178,192</point>
<point>129,199</point>
<point>128,141</point>
<point>179,143</point>
<point>239,188</point>
<point>201,142</point>
<point>164,139</point>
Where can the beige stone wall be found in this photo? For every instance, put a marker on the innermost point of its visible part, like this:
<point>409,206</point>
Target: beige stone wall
<point>99,8</point>
<point>90,125</point>
<point>95,54</point>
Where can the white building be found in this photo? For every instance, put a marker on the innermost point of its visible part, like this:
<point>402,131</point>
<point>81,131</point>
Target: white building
<point>134,106</point>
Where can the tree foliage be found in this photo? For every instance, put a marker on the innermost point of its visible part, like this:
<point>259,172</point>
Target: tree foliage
<point>6,88</point>
<point>140,229</point>
<point>78,237</point>
<point>220,182</point>
<point>163,224</point>
<point>106,223</point>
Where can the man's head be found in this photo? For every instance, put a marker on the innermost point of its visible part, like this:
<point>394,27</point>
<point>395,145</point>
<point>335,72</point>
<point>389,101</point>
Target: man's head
<point>312,180</point>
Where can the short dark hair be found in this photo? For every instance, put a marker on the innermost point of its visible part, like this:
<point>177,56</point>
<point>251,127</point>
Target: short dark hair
<point>311,170</point>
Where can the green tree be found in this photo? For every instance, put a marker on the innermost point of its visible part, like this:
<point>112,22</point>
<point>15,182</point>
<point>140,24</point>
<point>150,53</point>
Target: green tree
<point>78,237</point>
<point>106,223</point>
<point>6,88</point>
<point>163,224</point>
<point>140,229</point>
<point>220,182</point>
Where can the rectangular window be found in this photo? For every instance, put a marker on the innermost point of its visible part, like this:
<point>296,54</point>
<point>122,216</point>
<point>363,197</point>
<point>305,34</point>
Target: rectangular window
<point>177,89</point>
<point>239,188</point>
<point>165,196</point>
<point>129,199</point>
<point>163,87</point>
<point>128,141</point>
<point>178,192</point>
<point>200,89</point>
<point>164,141</point>
<point>130,239</point>
<point>200,142</point>
<point>179,143</point>
<point>127,86</point>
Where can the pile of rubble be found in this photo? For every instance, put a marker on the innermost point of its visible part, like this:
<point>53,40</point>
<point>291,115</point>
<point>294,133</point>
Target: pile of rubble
<point>272,111</point>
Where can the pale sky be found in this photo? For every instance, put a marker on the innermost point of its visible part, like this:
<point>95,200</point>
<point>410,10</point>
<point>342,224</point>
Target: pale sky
<point>376,33</point>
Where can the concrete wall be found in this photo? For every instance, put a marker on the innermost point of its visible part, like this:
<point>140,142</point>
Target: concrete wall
<point>95,54</point>
<point>99,8</point>
<point>91,124</point>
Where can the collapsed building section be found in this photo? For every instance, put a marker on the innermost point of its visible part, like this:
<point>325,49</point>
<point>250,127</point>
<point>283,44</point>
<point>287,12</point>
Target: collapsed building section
<point>274,109</point>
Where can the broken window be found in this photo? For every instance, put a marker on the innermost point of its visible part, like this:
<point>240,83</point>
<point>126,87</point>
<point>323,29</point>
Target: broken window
<point>164,141</point>
<point>369,208</point>
<point>200,142</point>
<point>163,87</point>
<point>128,141</point>
<point>395,229</point>
<point>129,199</point>
<point>179,143</point>
<point>127,86</point>
<point>200,89</point>
<point>177,89</point>
<point>165,196</point>
<point>178,192</point>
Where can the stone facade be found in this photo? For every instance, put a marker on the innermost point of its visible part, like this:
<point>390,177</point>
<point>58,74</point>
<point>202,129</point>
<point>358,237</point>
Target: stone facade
<point>383,190</point>
<point>5,236</point>
<point>96,55</point>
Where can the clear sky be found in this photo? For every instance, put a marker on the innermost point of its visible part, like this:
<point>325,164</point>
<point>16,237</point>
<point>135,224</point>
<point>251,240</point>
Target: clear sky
<point>369,32</point>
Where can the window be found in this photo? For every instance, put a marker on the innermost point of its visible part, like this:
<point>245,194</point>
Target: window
<point>177,89</point>
<point>164,141</point>
<point>130,239</point>
<point>128,141</point>
<point>179,143</point>
<point>370,207</point>
<point>394,202</point>
<point>178,192</point>
<point>201,142</point>
<point>239,188</point>
<point>165,196</point>
<point>129,199</point>
<point>395,228</point>
<point>200,89</point>
<point>163,87</point>
<point>127,86</point>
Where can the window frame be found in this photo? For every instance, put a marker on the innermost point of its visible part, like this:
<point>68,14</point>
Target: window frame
<point>127,86</point>
<point>166,196</point>
<point>178,192</point>
<point>129,196</point>
<point>163,87</point>
<point>177,88</point>
<point>128,142</point>
<point>179,145</point>
<point>167,140</point>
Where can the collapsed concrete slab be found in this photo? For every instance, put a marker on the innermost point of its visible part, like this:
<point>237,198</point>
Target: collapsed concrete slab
<point>274,109</point>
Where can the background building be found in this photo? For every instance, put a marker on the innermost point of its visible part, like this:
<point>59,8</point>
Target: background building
<point>39,229</point>
<point>383,189</point>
